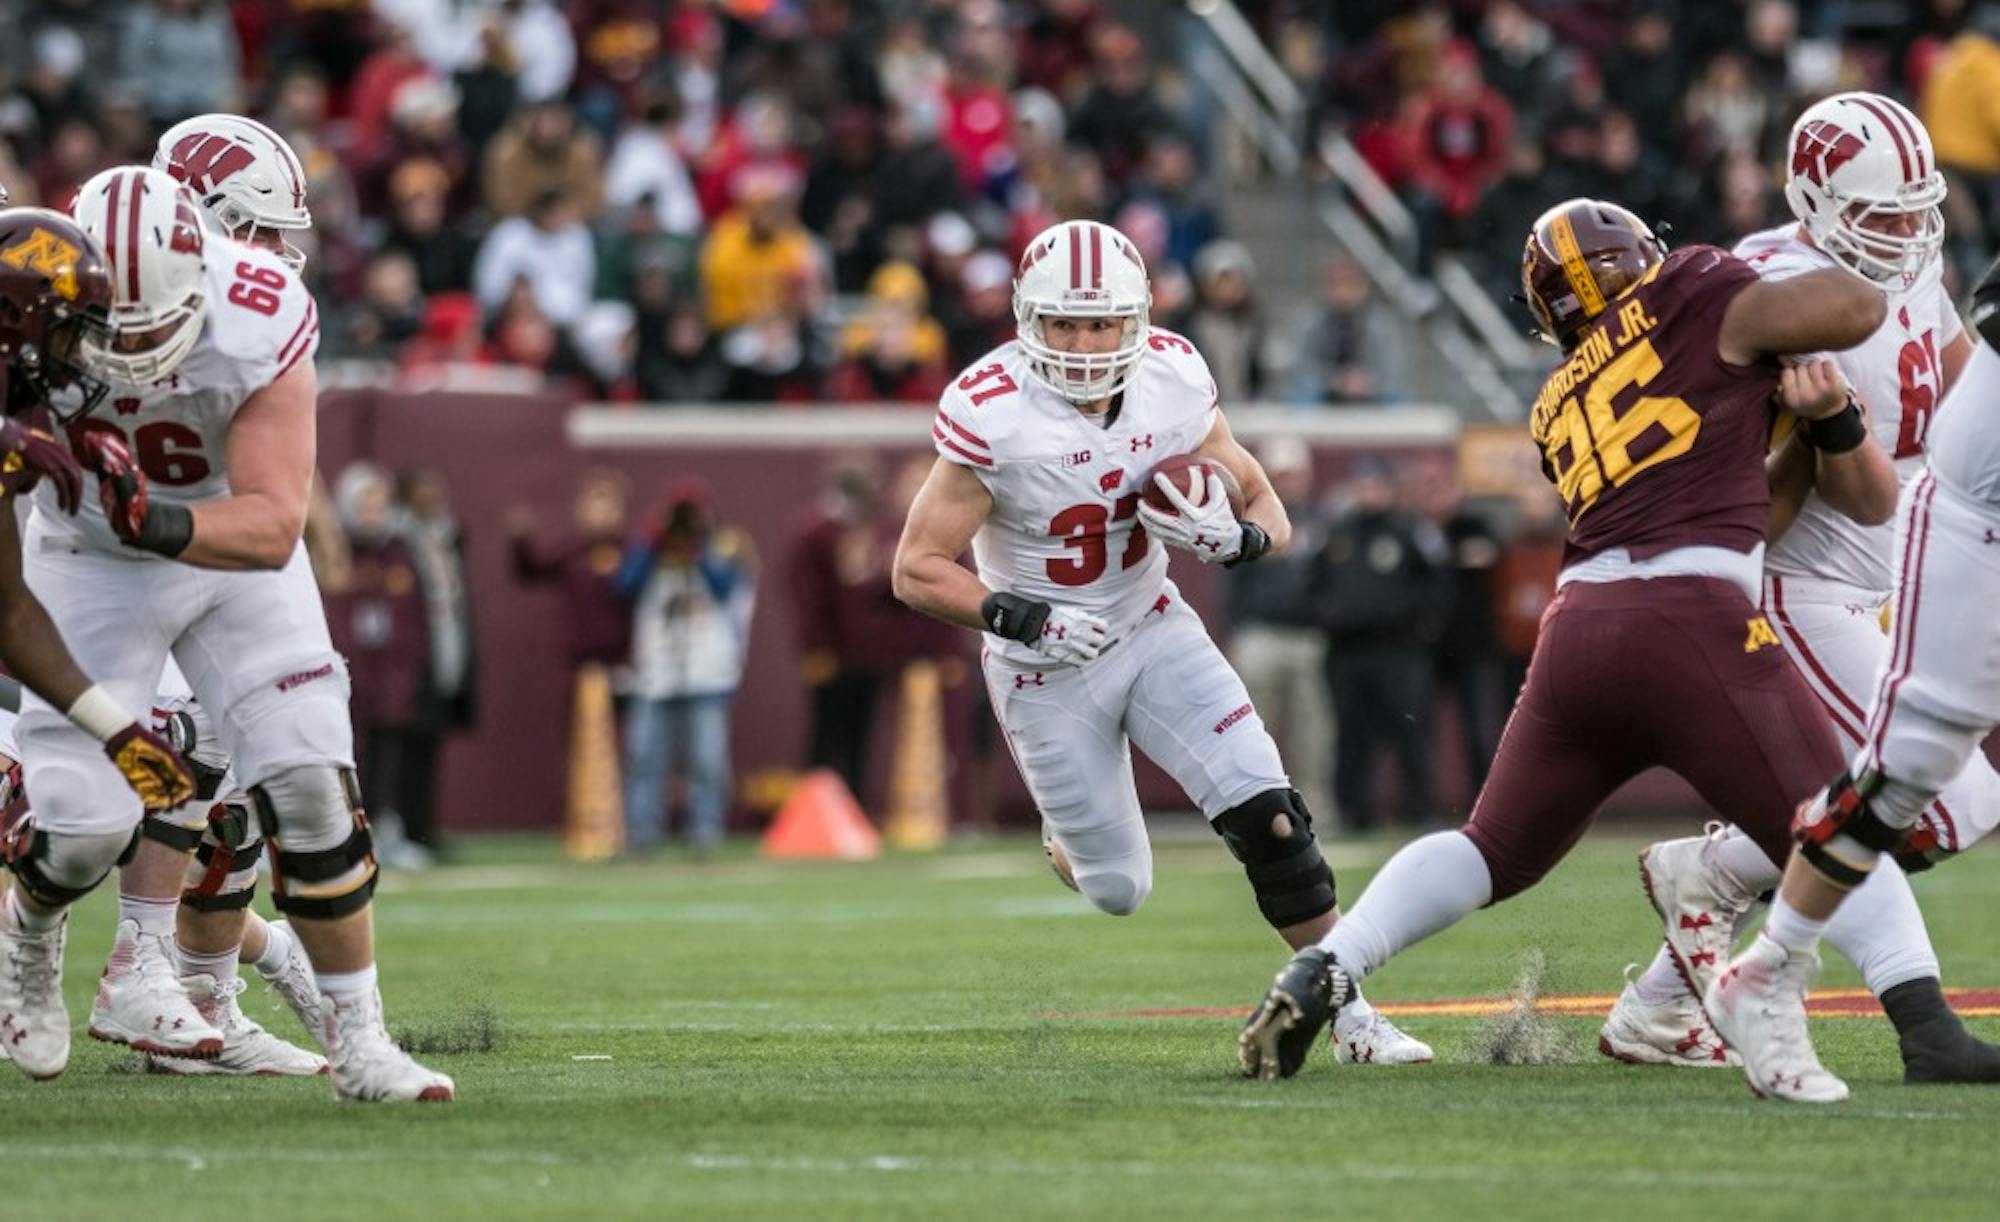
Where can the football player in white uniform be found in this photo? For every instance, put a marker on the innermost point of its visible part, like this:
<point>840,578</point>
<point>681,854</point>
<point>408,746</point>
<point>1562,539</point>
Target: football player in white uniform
<point>1043,445</point>
<point>204,854</point>
<point>1865,189</point>
<point>1936,698</point>
<point>196,553</point>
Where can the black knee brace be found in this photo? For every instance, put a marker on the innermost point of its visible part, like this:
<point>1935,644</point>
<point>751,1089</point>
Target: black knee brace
<point>320,884</point>
<point>24,850</point>
<point>160,830</point>
<point>1272,836</point>
<point>221,855</point>
<point>1844,811</point>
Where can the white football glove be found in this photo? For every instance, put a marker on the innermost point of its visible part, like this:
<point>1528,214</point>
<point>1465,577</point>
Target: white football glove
<point>1072,637</point>
<point>1206,528</point>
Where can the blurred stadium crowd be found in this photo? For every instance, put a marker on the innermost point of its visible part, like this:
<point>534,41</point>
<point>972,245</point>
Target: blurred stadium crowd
<point>1480,113</point>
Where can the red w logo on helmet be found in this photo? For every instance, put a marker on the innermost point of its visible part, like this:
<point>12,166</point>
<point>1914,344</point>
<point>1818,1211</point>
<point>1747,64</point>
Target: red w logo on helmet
<point>1821,150</point>
<point>204,162</point>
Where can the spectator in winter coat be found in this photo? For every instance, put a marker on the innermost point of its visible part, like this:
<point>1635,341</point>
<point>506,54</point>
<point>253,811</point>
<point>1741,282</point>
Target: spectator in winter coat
<point>693,585</point>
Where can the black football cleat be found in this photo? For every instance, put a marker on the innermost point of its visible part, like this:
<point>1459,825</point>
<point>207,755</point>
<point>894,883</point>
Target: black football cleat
<point>1946,1052</point>
<point>1282,1029</point>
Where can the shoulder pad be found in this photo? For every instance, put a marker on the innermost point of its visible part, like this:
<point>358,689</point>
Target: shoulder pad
<point>261,318</point>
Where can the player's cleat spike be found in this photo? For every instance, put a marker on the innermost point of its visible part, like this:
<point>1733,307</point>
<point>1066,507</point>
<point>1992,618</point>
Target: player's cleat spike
<point>1692,900</point>
<point>294,984</point>
<point>1638,1032</point>
<point>140,1002</point>
<point>1281,1030</point>
<point>247,1049</point>
<point>1363,1035</point>
<point>365,1064</point>
<point>34,1023</point>
<point>1758,1004</point>
<point>1058,860</point>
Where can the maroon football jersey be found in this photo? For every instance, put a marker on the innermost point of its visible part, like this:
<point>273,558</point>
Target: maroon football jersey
<point>1653,440</point>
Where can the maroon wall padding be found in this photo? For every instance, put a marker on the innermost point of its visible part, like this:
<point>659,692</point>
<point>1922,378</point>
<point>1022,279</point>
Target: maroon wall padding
<point>502,450</point>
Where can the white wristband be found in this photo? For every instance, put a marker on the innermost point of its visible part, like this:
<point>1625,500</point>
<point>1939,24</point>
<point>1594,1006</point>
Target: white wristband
<point>96,713</point>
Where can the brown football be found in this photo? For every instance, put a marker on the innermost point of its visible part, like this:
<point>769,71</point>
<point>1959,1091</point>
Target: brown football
<point>1184,470</point>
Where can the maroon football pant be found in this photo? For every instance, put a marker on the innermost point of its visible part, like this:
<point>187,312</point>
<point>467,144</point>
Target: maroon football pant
<point>1678,672</point>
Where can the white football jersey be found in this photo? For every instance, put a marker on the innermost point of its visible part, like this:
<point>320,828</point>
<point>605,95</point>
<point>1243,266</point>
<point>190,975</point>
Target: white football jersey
<point>261,322</point>
<point>1064,527</point>
<point>1898,376</point>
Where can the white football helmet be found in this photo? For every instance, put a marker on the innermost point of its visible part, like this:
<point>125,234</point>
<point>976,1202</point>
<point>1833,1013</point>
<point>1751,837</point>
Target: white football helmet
<point>1859,157</point>
<point>1081,269</point>
<point>244,175</point>
<point>150,229</point>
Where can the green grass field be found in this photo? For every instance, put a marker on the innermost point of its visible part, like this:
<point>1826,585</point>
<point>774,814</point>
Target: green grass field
<point>886,1040</point>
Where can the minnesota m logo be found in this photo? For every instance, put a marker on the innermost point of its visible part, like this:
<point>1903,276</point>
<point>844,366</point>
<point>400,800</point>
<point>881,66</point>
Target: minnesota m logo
<point>48,254</point>
<point>1760,635</point>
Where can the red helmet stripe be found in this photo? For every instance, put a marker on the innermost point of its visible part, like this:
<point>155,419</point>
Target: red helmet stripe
<point>1096,256</point>
<point>1895,132</point>
<point>111,222</point>
<point>1075,257</point>
<point>133,205</point>
<point>1916,135</point>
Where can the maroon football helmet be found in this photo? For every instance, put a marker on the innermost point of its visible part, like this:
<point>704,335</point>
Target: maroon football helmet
<point>54,288</point>
<point>1580,256</point>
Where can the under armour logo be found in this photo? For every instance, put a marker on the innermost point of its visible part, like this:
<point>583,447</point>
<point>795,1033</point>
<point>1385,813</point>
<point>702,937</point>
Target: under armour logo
<point>1691,1042</point>
<point>1991,537</point>
<point>1213,545</point>
<point>1702,958</point>
<point>1021,681</point>
<point>1145,440</point>
<point>1701,922</point>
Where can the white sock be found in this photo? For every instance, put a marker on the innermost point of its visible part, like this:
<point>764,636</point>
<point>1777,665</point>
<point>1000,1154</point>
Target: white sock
<point>154,916</point>
<point>278,943</point>
<point>23,919</point>
<point>1880,930</point>
<point>346,984</point>
<point>1430,885</point>
<point>220,964</point>
<point>1661,982</point>
<point>1792,929</point>
<point>1740,862</point>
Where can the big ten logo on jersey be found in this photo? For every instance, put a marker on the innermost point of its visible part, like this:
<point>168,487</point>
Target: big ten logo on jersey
<point>169,452</point>
<point>1592,431</point>
<point>1922,386</point>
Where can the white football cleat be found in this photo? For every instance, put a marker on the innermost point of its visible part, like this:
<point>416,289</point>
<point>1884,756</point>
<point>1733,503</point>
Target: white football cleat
<point>1689,896</point>
<point>1759,1006</point>
<point>247,1049</point>
<point>1674,1033</point>
<point>1363,1035</point>
<point>365,1064</point>
<point>140,1002</point>
<point>294,984</point>
<point>34,1023</point>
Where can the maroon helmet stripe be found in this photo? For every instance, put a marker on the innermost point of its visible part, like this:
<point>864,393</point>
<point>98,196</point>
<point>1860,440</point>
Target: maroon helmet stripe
<point>1895,132</point>
<point>1915,129</point>
<point>1075,257</point>
<point>132,209</point>
<point>1096,257</point>
<point>111,222</point>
